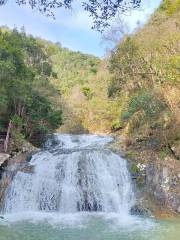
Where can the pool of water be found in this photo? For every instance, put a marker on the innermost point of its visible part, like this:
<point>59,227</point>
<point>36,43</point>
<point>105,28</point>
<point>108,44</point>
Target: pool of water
<point>85,226</point>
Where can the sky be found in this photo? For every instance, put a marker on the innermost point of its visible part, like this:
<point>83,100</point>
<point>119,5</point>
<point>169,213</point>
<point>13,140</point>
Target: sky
<point>71,28</point>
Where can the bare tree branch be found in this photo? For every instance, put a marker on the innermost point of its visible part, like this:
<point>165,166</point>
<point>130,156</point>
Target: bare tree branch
<point>102,11</point>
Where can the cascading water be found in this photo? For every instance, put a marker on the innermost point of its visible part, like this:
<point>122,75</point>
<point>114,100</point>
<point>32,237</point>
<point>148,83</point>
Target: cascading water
<point>73,173</point>
<point>77,189</point>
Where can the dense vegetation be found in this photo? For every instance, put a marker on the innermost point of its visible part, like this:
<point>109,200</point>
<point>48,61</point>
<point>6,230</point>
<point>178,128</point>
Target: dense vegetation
<point>82,80</point>
<point>25,91</point>
<point>145,70</point>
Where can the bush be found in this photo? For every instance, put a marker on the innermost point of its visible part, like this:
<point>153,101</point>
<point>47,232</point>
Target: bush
<point>116,125</point>
<point>145,102</point>
<point>87,92</point>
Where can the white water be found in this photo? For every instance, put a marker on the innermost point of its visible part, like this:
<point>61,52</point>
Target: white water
<point>74,173</point>
<point>79,190</point>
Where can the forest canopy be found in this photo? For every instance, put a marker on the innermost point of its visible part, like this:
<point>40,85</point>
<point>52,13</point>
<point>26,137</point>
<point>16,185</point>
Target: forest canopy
<point>25,91</point>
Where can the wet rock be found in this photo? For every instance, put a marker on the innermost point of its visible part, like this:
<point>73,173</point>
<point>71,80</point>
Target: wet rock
<point>28,147</point>
<point>140,211</point>
<point>27,169</point>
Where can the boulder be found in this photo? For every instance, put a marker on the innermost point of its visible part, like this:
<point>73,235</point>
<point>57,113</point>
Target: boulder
<point>3,158</point>
<point>176,149</point>
<point>28,147</point>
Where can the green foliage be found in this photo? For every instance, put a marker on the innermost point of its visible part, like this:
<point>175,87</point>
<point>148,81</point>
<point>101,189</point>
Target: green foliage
<point>140,181</point>
<point>164,152</point>
<point>71,68</point>
<point>145,68</point>
<point>170,6</point>
<point>134,168</point>
<point>87,92</point>
<point>17,121</point>
<point>146,102</point>
<point>127,65</point>
<point>44,118</point>
<point>18,139</point>
<point>26,95</point>
<point>116,124</point>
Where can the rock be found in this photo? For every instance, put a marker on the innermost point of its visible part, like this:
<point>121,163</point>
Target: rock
<point>139,139</point>
<point>3,158</point>
<point>27,169</point>
<point>178,209</point>
<point>28,147</point>
<point>176,149</point>
<point>165,174</point>
<point>1,217</point>
<point>163,183</point>
<point>139,210</point>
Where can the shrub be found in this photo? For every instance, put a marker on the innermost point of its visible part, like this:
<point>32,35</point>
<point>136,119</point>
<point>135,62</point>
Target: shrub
<point>116,125</point>
<point>87,92</point>
<point>146,102</point>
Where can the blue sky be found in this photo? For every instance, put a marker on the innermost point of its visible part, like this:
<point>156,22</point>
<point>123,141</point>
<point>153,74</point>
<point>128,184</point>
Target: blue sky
<point>71,28</point>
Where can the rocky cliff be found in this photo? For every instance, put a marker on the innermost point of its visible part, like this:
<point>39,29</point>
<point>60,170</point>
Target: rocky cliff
<point>156,177</point>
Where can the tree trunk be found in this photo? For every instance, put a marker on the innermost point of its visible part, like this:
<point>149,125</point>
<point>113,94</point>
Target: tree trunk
<point>7,137</point>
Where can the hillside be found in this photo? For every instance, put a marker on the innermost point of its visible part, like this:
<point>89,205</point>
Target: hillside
<point>127,91</point>
<point>82,81</point>
<point>36,77</point>
<point>27,98</point>
<point>145,70</point>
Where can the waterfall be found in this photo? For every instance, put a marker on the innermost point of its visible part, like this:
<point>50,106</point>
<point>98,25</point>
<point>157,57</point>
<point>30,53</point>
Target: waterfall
<point>73,173</point>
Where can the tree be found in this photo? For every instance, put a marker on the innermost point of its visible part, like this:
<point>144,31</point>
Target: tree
<point>24,88</point>
<point>102,11</point>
